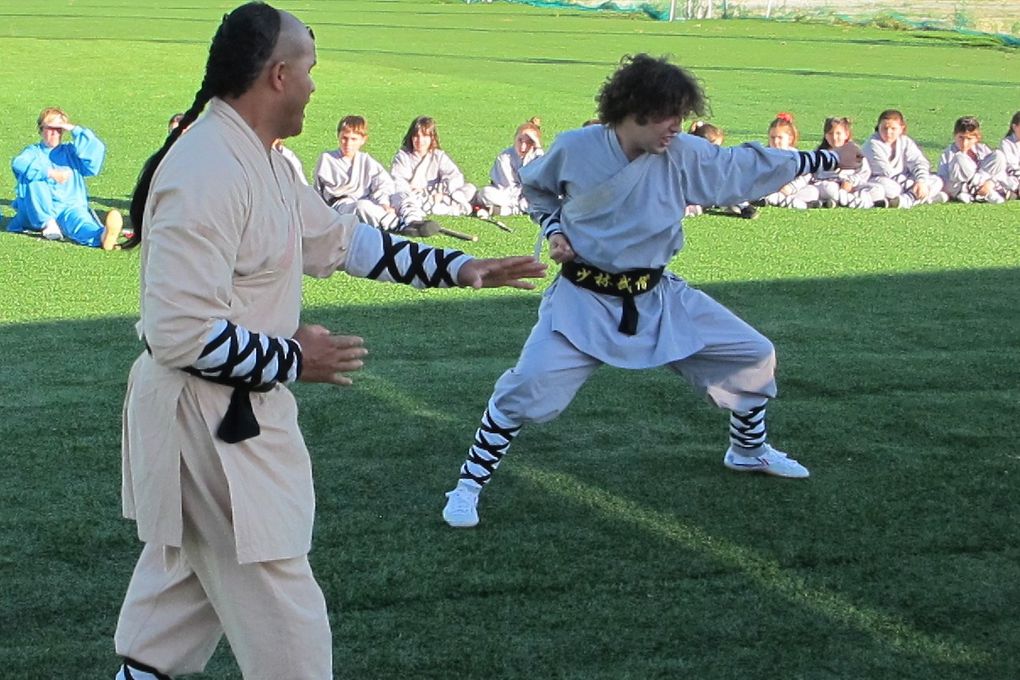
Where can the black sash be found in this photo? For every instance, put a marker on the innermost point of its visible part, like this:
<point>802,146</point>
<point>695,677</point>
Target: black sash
<point>239,422</point>
<point>625,284</point>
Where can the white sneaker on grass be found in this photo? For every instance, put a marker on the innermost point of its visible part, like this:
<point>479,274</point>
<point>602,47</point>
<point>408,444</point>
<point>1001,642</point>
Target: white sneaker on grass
<point>51,231</point>
<point>461,509</point>
<point>768,461</point>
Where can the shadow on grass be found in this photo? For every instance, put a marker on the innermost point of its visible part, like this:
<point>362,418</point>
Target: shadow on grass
<point>122,204</point>
<point>898,391</point>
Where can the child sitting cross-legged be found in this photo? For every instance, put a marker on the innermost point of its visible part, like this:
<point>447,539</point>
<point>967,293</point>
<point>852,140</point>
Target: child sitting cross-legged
<point>970,170</point>
<point>353,183</point>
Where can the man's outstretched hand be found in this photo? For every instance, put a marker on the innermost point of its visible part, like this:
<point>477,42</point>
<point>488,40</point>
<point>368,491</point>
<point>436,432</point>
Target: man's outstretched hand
<point>501,271</point>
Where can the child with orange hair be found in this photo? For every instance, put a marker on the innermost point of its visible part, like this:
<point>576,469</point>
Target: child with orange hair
<point>798,194</point>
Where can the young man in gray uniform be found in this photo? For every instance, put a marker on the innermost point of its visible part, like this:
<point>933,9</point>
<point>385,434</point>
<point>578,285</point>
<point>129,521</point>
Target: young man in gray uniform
<point>609,198</point>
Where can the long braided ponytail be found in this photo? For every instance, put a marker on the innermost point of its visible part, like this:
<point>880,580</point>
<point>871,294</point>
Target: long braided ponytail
<point>240,49</point>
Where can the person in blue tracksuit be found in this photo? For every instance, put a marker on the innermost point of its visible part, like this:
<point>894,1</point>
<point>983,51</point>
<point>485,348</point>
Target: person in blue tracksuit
<point>50,195</point>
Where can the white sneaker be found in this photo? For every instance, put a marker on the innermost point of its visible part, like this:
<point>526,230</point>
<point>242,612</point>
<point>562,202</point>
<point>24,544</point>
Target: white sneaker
<point>51,231</point>
<point>461,509</point>
<point>769,461</point>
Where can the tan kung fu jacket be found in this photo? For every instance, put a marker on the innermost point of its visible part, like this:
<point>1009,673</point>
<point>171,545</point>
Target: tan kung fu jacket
<point>229,232</point>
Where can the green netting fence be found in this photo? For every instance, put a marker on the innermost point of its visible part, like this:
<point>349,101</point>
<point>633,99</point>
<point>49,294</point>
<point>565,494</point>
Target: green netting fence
<point>998,20</point>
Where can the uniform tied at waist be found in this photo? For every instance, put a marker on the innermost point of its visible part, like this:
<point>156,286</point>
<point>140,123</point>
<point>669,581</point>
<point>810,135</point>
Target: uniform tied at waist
<point>239,421</point>
<point>626,285</point>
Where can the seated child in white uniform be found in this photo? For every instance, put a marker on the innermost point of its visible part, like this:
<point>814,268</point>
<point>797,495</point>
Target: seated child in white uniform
<point>427,180</point>
<point>799,193</point>
<point>850,187</point>
<point>970,171</point>
<point>352,182</point>
<point>503,196</point>
<point>1009,147</point>
<point>898,164</point>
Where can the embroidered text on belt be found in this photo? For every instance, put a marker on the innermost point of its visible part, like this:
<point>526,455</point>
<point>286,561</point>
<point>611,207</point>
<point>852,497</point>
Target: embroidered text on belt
<point>626,284</point>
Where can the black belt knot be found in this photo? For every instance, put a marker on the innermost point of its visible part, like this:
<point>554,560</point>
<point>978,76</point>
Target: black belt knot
<point>239,422</point>
<point>626,285</point>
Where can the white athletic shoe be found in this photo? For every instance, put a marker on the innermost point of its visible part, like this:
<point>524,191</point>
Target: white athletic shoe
<point>51,231</point>
<point>769,461</point>
<point>461,509</point>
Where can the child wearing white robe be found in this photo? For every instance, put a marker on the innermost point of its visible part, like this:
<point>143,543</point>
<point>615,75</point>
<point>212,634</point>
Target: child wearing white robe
<point>850,187</point>
<point>291,158</point>
<point>971,171</point>
<point>798,193</point>
<point>503,196</point>
<point>426,180</point>
<point>899,166</point>
<point>1009,147</point>
<point>352,182</point>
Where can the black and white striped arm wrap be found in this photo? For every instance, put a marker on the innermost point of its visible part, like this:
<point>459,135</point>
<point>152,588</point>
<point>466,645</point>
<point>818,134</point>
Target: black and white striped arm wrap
<point>813,161</point>
<point>414,264</point>
<point>549,222</point>
<point>235,356</point>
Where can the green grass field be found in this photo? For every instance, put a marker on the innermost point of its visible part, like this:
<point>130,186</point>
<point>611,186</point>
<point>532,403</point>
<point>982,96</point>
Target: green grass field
<point>613,543</point>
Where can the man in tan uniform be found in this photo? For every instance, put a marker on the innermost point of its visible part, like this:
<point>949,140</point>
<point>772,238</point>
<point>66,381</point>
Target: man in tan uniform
<point>216,472</point>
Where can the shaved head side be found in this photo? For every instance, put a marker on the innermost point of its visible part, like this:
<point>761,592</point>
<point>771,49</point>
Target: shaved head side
<point>295,38</point>
<point>244,43</point>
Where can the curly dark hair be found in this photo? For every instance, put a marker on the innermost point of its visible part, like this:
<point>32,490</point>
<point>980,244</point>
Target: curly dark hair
<point>650,89</point>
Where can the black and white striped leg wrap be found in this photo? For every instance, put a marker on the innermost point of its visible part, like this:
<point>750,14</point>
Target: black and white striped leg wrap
<point>747,428</point>
<point>414,264</point>
<point>233,355</point>
<point>484,456</point>
<point>813,161</point>
<point>849,199</point>
<point>787,201</point>
<point>429,204</point>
